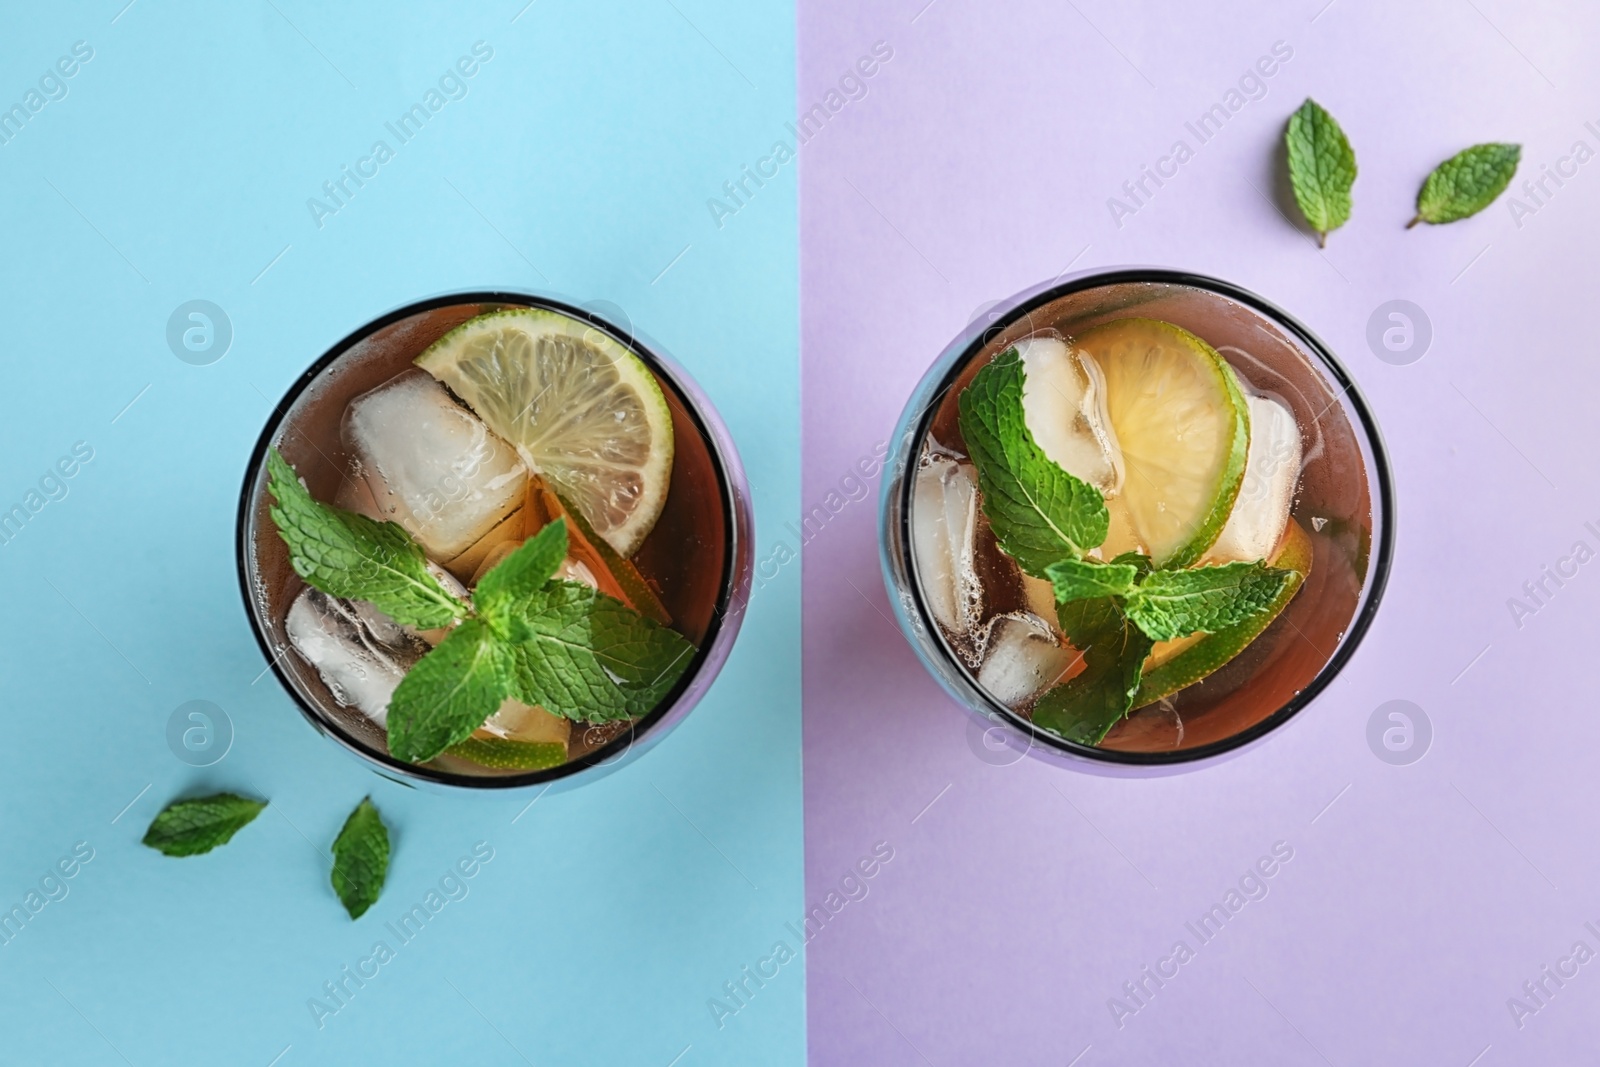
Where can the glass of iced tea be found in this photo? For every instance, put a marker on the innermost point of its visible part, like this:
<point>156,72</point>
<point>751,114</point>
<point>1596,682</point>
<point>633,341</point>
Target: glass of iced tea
<point>492,540</point>
<point>1137,516</point>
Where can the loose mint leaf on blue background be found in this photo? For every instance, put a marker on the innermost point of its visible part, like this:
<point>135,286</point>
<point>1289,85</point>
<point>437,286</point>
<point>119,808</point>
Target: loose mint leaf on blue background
<point>1176,603</point>
<point>449,693</point>
<point>1322,168</point>
<point>1085,708</point>
<point>1086,579</point>
<point>351,556</point>
<point>361,859</point>
<point>501,596</point>
<point>591,658</point>
<point>1466,183</point>
<point>1039,513</point>
<point>191,827</point>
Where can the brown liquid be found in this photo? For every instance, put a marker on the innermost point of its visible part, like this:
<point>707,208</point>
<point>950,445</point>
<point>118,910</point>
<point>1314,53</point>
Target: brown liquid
<point>1332,504</point>
<point>683,559</point>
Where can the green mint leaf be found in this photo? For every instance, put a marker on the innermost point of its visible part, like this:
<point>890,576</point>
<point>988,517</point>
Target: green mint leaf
<point>1176,603</point>
<point>501,596</point>
<point>449,693</point>
<point>191,827</point>
<point>1466,183</point>
<point>361,859</point>
<point>1086,579</point>
<point>505,755</point>
<point>591,658</point>
<point>1039,513</point>
<point>1322,167</point>
<point>351,556</point>
<point>1085,707</point>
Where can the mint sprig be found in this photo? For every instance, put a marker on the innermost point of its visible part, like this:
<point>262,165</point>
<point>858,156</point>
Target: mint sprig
<point>1466,183</point>
<point>504,595</point>
<point>1112,612</point>
<point>549,643</point>
<point>1322,168</point>
<point>449,693</point>
<point>1177,603</point>
<point>593,658</point>
<point>199,824</point>
<point>1085,707</point>
<point>351,556</point>
<point>1087,579</point>
<point>361,859</point>
<point>1039,513</point>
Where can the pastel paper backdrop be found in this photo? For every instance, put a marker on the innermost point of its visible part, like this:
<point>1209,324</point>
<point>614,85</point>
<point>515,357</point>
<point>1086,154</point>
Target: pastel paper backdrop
<point>997,149</point>
<point>560,148</point>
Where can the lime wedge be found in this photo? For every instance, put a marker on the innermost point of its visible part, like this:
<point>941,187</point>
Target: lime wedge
<point>1172,665</point>
<point>581,409</point>
<point>1184,429</point>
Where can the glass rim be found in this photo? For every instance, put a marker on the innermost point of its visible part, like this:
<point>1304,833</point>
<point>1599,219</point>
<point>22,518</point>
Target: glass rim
<point>913,429</point>
<point>733,587</point>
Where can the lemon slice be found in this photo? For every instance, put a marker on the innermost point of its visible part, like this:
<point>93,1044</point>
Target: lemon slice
<point>1172,665</point>
<point>581,409</point>
<point>1184,430</point>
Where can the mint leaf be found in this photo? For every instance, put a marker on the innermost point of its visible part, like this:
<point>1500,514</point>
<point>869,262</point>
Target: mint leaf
<point>449,693</point>
<point>591,658</point>
<point>351,556</point>
<point>1466,183</point>
<point>1085,707</point>
<point>1039,513</point>
<point>191,827</point>
<point>1085,579</point>
<point>360,859</point>
<point>1176,603</point>
<point>506,755</point>
<point>501,596</point>
<point>1322,167</point>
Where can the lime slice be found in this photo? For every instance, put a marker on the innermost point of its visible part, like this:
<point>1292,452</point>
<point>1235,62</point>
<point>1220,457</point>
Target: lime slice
<point>502,755</point>
<point>581,409</point>
<point>1184,430</point>
<point>1172,665</point>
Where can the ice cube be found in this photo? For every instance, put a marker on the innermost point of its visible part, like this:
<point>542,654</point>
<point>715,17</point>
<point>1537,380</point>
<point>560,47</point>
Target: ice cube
<point>1064,406</point>
<point>1271,471</point>
<point>361,662</point>
<point>944,525</point>
<point>431,465</point>
<point>1023,658</point>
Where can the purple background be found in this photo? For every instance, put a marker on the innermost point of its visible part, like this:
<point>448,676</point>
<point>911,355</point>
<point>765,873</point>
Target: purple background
<point>1021,898</point>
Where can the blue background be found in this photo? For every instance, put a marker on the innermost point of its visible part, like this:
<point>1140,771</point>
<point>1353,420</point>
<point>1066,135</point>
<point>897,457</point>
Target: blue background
<point>177,168</point>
